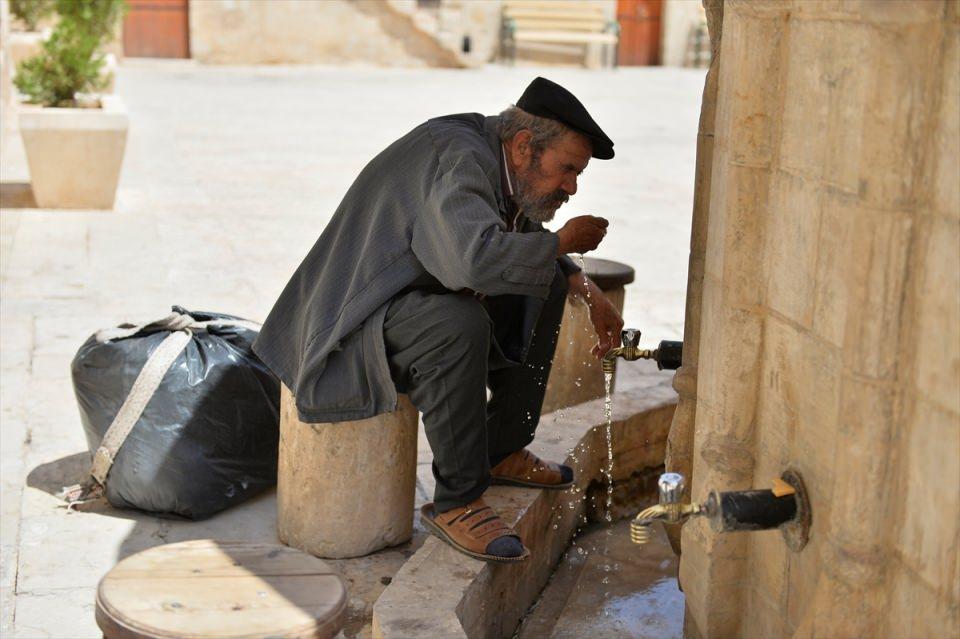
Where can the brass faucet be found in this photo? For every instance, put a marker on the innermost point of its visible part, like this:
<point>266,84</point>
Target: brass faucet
<point>670,510</point>
<point>630,351</point>
<point>784,506</point>
<point>667,355</point>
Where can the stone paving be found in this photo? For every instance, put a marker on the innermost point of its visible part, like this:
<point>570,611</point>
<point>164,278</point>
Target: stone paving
<point>230,175</point>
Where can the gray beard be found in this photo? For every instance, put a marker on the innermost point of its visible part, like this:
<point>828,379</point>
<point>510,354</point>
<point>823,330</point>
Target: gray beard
<point>537,208</point>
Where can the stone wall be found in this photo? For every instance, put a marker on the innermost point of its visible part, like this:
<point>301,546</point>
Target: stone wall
<point>830,307</point>
<point>380,32</point>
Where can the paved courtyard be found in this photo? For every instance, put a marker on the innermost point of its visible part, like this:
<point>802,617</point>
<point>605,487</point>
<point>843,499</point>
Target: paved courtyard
<point>230,175</point>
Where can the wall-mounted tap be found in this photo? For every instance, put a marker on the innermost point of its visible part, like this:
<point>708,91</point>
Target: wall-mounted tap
<point>784,506</point>
<point>667,355</point>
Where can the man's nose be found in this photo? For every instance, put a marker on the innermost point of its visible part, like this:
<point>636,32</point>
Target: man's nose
<point>570,186</point>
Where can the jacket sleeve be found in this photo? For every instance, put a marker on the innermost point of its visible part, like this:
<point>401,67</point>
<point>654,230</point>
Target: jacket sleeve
<point>567,265</point>
<point>461,240</point>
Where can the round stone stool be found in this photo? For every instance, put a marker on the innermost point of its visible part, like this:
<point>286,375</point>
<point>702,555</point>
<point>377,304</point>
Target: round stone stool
<point>575,376</point>
<point>346,489</point>
<point>220,589</point>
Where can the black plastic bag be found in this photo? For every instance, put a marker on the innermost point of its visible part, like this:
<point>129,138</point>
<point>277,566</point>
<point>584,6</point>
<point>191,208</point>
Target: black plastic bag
<point>207,439</point>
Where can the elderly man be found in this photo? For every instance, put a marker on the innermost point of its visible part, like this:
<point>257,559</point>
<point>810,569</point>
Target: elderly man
<point>436,278</point>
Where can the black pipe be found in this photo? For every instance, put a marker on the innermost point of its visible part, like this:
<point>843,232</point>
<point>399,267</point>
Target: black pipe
<point>750,510</point>
<point>669,355</point>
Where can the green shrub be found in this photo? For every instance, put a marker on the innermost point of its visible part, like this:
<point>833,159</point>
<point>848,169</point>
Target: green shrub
<point>31,12</point>
<point>71,60</point>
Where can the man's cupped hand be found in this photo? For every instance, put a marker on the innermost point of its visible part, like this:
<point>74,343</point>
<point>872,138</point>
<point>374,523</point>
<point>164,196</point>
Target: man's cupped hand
<point>581,234</point>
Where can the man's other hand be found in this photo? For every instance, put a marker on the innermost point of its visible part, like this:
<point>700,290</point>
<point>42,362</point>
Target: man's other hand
<point>607,323</point>
<point>581,234</point>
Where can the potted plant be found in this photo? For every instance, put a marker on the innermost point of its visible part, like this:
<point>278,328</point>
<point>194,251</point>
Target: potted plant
<point>75,143</point>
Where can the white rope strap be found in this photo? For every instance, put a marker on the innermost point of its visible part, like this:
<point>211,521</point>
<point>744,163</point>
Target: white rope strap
<point>142,391</point>
<point>146,384</point>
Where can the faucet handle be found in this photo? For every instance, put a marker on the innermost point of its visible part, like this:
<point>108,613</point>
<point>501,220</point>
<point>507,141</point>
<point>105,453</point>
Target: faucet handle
<point>630,337</point>
<point>671,486</point>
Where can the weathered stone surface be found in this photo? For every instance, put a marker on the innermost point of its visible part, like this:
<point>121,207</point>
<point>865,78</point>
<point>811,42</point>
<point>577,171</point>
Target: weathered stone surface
<point>330,32</point>
<point>828,320</point>
<point>346,489</point>
<point>470,598</point>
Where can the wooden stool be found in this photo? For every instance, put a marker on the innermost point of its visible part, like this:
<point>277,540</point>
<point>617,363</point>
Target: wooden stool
<point>575,376</point>
<point>346,489</point>
<point>221,589</point>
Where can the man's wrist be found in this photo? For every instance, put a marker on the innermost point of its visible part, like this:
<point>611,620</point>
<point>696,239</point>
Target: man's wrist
<point>580,286</point>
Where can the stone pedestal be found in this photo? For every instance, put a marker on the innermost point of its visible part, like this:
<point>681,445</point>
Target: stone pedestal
<point>575,376</point>
<point>346,489</point>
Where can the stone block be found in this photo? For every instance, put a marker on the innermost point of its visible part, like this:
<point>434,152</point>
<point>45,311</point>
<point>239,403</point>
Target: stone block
<point>738,241</point>
<point>749,100</point>
<point>346,489</point>
<point>762,618</point>
<point>946,138</point>
<point>934,342</point>
<point>826,89</point>
<point>734,373</point>
<point>930,469</point>
<point>864,429</point>
<point>898,11</point>
<point>768,567</point>
<point>824,9</point>
<point>800,400</point>
<point>792,234</point>
<point>837,240</point>
<point>805,567</point>
<point>874,312</point>
<point>914,610</point>
<point>896,111</point>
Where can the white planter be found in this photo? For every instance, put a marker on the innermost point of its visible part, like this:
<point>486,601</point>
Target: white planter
<point>75,155</point>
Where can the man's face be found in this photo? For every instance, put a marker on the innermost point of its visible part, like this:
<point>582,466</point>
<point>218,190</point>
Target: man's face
<point>544,183</point>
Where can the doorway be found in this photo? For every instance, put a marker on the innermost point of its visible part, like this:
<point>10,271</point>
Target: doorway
<point>639,32</point>
<point>156,29</point>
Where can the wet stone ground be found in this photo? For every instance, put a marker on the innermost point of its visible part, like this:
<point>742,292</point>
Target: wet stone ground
<point>606,586</point>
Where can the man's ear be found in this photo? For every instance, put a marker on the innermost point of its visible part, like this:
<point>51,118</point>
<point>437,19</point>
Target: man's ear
<point>519,148</point>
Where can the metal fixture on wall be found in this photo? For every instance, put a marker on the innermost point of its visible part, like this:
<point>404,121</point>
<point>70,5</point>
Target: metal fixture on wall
<point>668,355</point>
<point>785,506</point>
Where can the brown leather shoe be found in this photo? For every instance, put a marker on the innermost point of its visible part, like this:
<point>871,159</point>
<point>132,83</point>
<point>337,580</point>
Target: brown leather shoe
<point>476,530</point>
<point>523,468</point>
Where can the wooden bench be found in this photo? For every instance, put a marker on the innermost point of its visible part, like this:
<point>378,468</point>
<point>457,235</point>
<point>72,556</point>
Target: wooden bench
<point>561,22</point>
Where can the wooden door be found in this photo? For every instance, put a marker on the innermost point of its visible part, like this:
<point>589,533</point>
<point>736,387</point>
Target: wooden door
<point>156,29</point>
<point>639,32</point>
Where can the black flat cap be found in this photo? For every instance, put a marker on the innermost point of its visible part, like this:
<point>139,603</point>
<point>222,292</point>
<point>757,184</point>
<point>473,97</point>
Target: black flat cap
<point>550,100</point>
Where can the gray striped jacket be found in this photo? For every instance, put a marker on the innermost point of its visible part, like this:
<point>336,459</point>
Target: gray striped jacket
<point>431,202</point>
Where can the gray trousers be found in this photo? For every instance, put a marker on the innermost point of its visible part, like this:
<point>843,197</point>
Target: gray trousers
<point>444,349</point>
